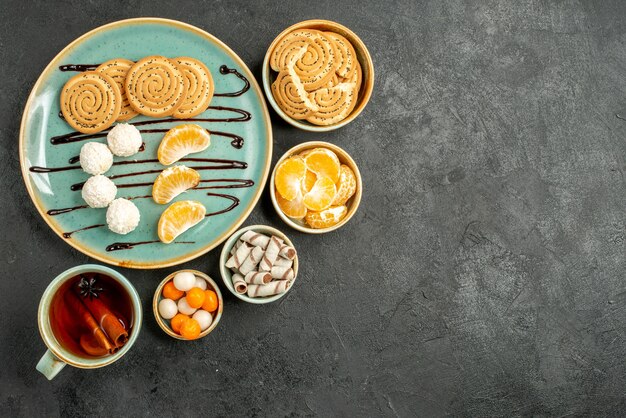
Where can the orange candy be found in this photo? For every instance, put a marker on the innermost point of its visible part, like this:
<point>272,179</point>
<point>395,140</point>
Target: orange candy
<point>210,301</point>
<point>177,322</point>
<point>195,297</point>
<point>190,329</point>
<point>170,291</point>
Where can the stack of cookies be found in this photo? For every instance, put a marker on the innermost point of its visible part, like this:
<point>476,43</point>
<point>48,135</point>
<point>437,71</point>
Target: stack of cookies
<point>319,76</point>
<point>119,90</point>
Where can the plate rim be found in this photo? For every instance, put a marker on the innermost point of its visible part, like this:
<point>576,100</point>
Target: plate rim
<point>125,22</point>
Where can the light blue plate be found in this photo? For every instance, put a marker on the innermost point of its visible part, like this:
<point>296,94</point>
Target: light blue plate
<point>134,39</point>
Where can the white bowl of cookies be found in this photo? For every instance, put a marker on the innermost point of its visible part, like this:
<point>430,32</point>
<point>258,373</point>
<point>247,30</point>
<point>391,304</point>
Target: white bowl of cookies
<point>318,75</point>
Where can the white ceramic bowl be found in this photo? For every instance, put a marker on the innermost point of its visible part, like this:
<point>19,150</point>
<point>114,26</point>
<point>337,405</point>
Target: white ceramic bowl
<point>165,323</point>
<point>352,203</point>
<point>363,55</point>
<point>227,273</point>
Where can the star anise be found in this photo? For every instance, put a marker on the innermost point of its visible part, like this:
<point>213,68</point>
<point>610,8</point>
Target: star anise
<point>88,287</point>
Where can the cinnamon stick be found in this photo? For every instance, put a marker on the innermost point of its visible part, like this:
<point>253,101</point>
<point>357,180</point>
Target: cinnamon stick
<point>107,320</point>
<point>87,319</point>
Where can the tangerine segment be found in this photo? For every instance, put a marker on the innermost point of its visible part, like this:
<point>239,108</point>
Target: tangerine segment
<point>289,175</point>
<point>178,218</point>
<point>321,195</point>
<point>309,180</point>
<point>182,140</point>
<point>326,218</point>
<point>346,186</point>
<point>177,322</point>
<point>324,163</point>
<point>190,329</point>
<point>173,181</point>
<point>293,208</point>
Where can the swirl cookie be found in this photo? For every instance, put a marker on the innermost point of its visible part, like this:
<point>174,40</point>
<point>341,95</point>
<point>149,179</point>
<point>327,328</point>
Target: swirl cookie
<point>311,55</point>
<point>291,96</point>
<point>117,69</point>
<point>319,76</point>
<point>345,56</point>
<point>199,87</point>
<point>90,102</point>
<point>334,104</point>
<point>155,86</point>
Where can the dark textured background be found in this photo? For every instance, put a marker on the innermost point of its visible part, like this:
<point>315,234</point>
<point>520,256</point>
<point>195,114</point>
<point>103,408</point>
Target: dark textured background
<point>483,274</point>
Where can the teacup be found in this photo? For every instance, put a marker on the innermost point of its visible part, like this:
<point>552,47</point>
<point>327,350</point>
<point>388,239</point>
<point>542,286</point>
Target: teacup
<point>57,356</point>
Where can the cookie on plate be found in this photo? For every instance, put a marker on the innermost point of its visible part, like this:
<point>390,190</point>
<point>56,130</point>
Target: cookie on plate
<point>155,86</point>
<point>199,86</point>
<point>117,69</point>
<point>90,102</point>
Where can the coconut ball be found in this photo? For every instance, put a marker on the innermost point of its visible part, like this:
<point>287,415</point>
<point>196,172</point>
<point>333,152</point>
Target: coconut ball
<point>98,191</point>
<point>122,216</point>
<point>184,308</point>
<point>184,281</point>
<point>95,158</point>
<point>168,308</point>
<point>204,319</point>
<point>124,140</point>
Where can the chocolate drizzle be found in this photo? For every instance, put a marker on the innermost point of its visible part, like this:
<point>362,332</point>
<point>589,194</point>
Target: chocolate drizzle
<point>225,70</point>
<point>225,165</point>
<point>234,199</point>
<point>116,246</point>
<point>237,142</point>
<point>78,67</point>
<point>68,235</point>
<point>55,212</point>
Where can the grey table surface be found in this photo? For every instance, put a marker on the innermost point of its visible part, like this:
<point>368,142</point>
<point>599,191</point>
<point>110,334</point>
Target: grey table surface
<point>484,274</point>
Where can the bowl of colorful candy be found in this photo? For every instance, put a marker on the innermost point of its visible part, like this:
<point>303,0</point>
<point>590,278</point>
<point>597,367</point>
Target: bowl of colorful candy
<point>187,305</point>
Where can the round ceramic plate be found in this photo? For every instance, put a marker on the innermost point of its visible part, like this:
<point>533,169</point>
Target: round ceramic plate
<point>233,169</point>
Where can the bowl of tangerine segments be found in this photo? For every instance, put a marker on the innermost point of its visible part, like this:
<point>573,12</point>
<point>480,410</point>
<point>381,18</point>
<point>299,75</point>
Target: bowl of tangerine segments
<point>316,187</point>
<point>187,305</point>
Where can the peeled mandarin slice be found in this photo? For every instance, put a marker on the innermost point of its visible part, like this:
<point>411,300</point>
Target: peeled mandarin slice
<point>178,218</point>
<point>346,186</point>
<point>326,218</point>
<point>173,181</point>
<point>308,181</point>
<point>321,195</point>
<point>293,208</point>
<point>182,140</point>
<point>324,163</point>
<point>289,175</point>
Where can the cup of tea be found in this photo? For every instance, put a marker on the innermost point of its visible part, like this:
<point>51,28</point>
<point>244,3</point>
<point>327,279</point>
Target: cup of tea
<point>89,316</point>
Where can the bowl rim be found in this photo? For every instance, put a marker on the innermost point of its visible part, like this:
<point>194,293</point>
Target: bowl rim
<point>158,296</point>
<point>227,274</point>
<point>356,199</point>
<point>367,91</point>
